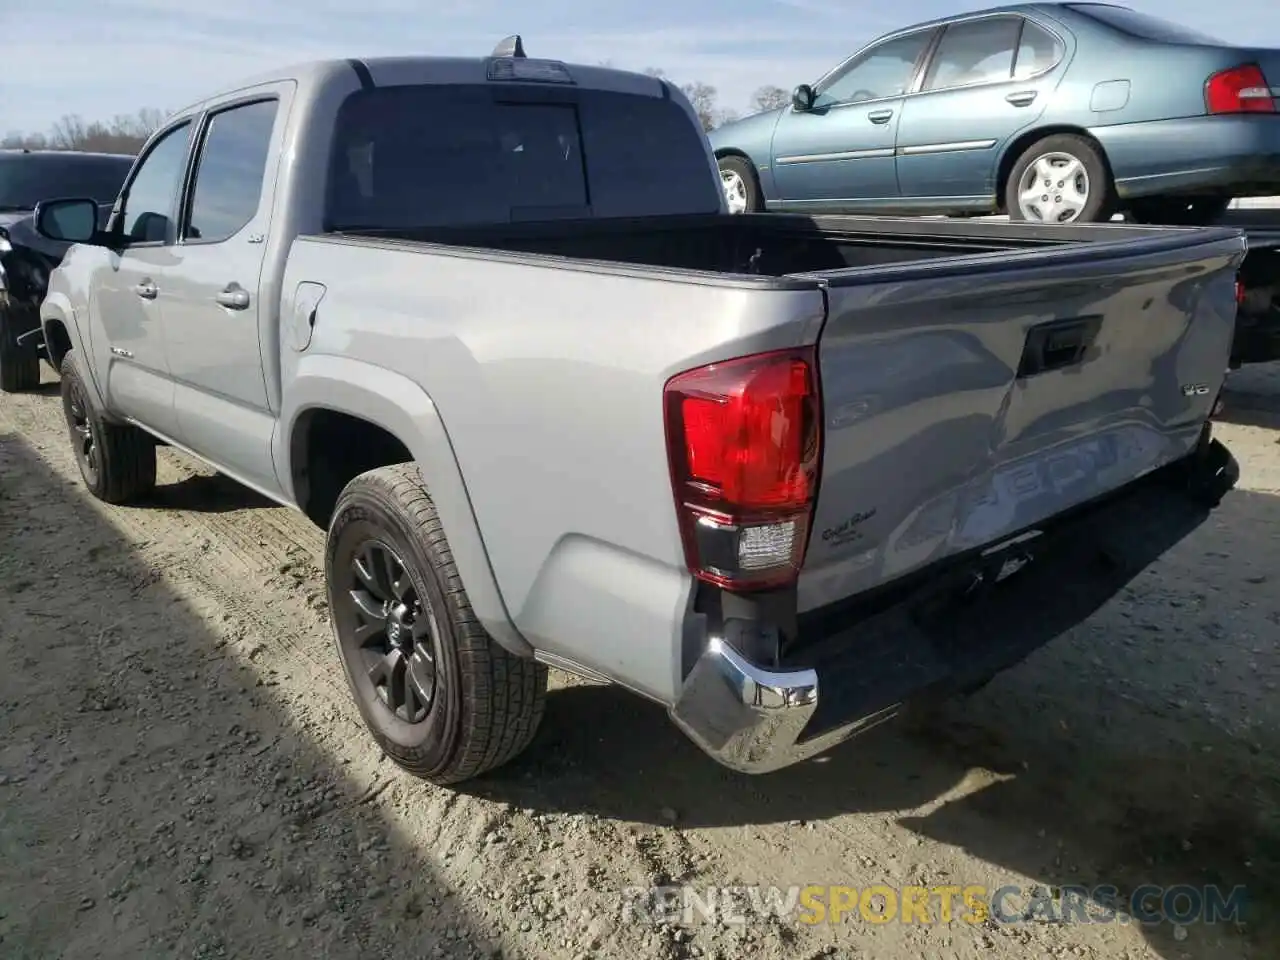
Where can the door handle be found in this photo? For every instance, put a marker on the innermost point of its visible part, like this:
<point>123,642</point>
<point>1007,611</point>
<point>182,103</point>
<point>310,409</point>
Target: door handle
<point>1022,98</point>
<point>146,290</point>
<point>880,116</point>
<point>234,297</point>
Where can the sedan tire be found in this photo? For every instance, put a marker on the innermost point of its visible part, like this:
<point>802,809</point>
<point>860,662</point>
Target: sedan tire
<point>741,185</point>
<point>1062,178</point>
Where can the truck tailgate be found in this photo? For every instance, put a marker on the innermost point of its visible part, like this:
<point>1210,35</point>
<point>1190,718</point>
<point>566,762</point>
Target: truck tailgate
<point>967,400</point>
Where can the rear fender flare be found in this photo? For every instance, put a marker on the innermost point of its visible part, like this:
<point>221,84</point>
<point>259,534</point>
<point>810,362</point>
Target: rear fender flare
<point>399,406</point>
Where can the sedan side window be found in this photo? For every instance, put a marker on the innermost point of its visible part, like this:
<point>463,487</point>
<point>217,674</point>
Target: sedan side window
<point>1038,51</point>
<point>885,70</point>
<point>974,51</point>
<point>230,171</point>
<point>149,204</point>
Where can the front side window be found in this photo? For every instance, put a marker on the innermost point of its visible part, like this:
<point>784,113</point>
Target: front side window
<point>1038,51</point>
<point>233,162</point>
<point>974,51</point>
<point>152,196</point>
<point>885,70</point>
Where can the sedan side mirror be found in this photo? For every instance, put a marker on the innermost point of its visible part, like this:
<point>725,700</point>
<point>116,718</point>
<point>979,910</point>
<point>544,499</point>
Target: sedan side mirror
<point>68,221</point>
<point>802,98</point>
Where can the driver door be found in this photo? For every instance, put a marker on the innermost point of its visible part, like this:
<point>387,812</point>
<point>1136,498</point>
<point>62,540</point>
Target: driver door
<point>127,296</point>
<point>839,155</point>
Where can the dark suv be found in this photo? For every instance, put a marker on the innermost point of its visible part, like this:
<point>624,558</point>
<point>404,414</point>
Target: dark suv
<point>26,259</point>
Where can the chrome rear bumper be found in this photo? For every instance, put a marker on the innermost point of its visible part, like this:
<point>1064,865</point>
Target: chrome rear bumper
<point>752,719</point>
<point>931,640</point>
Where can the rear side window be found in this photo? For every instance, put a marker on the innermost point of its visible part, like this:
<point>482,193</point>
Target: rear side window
<point>1038,51</point>
<point>233,161</point>
<point>974,51</point>
<point>446,155</point>
<point>1141,25</point>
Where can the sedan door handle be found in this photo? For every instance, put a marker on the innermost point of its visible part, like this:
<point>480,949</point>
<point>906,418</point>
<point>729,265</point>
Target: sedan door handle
<point>235,297</point>
<point>1022,98</point>
<point>146,290</point>
<point>880,116</point>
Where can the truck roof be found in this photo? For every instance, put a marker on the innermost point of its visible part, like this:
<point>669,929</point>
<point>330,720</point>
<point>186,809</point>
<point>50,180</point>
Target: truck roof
<point>313,74</point>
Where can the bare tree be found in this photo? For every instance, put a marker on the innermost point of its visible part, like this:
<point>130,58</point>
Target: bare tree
<point>125,133</point>
<point>769,97</point>
<point>702,97</point>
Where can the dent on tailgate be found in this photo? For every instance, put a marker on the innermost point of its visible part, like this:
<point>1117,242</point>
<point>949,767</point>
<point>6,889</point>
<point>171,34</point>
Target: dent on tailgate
<point>960,413</point>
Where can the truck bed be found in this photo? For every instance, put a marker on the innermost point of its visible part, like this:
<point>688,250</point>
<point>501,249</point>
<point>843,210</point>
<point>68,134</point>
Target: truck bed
<point>976,377</point>
<point>775,245</point>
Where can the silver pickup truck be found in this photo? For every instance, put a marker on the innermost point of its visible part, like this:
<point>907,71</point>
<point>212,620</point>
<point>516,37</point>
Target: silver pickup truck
<point>486,322</point>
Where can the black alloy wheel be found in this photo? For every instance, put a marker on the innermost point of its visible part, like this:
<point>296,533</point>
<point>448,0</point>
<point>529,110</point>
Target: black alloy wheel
<point>390,631</point>
<point>84,436</point>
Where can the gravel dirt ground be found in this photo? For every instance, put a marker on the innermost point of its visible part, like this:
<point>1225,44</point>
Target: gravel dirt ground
<point>183,773</point>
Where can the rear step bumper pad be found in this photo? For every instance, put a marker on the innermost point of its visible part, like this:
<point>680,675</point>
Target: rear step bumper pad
<point>755,719</point>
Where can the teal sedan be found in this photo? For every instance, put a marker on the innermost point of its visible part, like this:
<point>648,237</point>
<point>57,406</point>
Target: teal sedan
<point>1049,112</point>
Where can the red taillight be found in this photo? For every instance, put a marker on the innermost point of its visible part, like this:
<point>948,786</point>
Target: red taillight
<point>1240,293</point>
<point>743,442</point>
<point>1242,89</point>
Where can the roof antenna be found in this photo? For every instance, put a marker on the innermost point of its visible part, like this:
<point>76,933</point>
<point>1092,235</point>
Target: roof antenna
<point>513,46</point>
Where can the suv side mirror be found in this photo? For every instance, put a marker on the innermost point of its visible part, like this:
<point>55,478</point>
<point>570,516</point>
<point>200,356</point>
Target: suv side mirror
<point>68,221</point>
<point>802,98</point>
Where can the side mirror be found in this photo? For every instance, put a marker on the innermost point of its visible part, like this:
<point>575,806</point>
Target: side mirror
<point>802,98</point>
<point>69,221</point>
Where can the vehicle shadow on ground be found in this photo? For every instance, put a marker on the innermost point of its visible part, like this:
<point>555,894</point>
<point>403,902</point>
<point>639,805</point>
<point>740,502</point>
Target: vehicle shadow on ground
<point>1250,410</point>
<point>155,798</point>
<point>1251,396</point>
<point>1124,754</point>
<point>205,493</point>
<point>48,388</point>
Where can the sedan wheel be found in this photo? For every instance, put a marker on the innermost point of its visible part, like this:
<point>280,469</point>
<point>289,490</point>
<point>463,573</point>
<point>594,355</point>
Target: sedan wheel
<point>1054,189</point>
<point>735,191</point>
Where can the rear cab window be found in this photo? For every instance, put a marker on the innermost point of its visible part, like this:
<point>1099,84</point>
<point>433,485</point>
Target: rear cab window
<point>468,154</point>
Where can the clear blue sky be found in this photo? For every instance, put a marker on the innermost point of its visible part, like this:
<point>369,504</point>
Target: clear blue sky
<point>98,58</point>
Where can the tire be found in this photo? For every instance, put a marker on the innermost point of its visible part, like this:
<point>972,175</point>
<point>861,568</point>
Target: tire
<point>1058,150</point>
<point>1178,212</point>
<point>462,705</point>
<point>738,177</point>
<point>117,461</point>
<point>19,362</point>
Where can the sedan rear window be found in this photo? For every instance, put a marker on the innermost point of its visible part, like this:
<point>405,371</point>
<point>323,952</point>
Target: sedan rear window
<point>1141,25</point>
<point>453,155</point>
